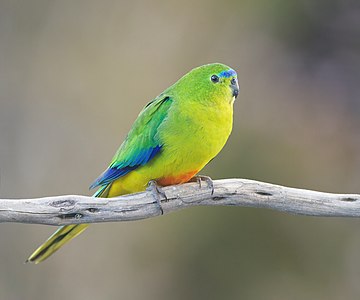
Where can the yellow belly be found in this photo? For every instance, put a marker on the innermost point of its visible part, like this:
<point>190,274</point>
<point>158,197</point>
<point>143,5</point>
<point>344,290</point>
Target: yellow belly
<point>186,150</point>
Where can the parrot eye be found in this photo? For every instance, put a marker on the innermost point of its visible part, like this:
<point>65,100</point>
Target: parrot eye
<point>215,78</point>
<point>233,81</point>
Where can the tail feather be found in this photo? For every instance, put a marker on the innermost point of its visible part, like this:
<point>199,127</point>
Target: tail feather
<point>57,240</point>
<point>63,235</point>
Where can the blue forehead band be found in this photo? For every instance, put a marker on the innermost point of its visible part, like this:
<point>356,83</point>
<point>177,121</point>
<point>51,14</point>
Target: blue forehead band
<point>227,73</point>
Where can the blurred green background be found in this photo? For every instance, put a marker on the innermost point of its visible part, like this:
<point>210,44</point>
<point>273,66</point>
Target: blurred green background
<point>75,74</point>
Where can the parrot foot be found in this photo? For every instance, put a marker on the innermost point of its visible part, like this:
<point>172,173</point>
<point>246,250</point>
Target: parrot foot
<point>158,194</point>
<point>207,179</point>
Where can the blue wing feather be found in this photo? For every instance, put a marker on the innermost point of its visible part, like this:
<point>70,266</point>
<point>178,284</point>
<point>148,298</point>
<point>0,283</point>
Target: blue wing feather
<point>115,171</point>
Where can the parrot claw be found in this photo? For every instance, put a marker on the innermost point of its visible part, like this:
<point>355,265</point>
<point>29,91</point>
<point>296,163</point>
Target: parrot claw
<point>207,179</point>
<point>158,194</point>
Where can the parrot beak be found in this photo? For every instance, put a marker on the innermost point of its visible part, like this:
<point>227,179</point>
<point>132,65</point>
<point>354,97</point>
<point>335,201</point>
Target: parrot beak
<point>235,89</point>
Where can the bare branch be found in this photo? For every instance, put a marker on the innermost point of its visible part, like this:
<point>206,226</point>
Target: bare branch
<point>62,210</point>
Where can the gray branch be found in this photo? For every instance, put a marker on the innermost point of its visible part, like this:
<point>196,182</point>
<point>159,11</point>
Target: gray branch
<point>69,209</point>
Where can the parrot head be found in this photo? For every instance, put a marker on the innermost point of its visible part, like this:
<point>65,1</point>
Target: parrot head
<point>212,81</point>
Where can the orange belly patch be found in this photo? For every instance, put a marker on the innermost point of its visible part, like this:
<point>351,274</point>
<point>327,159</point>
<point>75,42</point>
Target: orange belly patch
<point>170,180</point>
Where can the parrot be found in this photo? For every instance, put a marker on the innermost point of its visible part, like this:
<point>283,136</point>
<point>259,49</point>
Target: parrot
<point>172,139</point>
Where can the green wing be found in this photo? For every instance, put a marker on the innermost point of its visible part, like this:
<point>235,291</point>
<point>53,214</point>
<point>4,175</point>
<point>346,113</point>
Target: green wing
<point>141,144</point>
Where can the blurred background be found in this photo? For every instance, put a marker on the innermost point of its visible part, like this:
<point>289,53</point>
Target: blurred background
<point>75,74</point>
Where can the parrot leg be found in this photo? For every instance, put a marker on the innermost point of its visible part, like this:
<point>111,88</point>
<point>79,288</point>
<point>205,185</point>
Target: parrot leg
<point>158,194</point>
<point>207,179</point>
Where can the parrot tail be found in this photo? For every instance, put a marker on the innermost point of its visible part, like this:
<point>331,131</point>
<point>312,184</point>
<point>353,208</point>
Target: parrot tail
<point>57,240</point>
<point>61,236</point>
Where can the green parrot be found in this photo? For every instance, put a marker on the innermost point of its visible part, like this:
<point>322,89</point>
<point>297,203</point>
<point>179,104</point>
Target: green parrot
<point>172,139</point>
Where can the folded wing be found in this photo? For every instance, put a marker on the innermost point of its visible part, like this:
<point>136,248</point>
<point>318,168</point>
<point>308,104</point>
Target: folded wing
<point>141,144</point>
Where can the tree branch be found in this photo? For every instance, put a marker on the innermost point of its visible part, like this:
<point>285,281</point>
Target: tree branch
<point>63,210</point>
